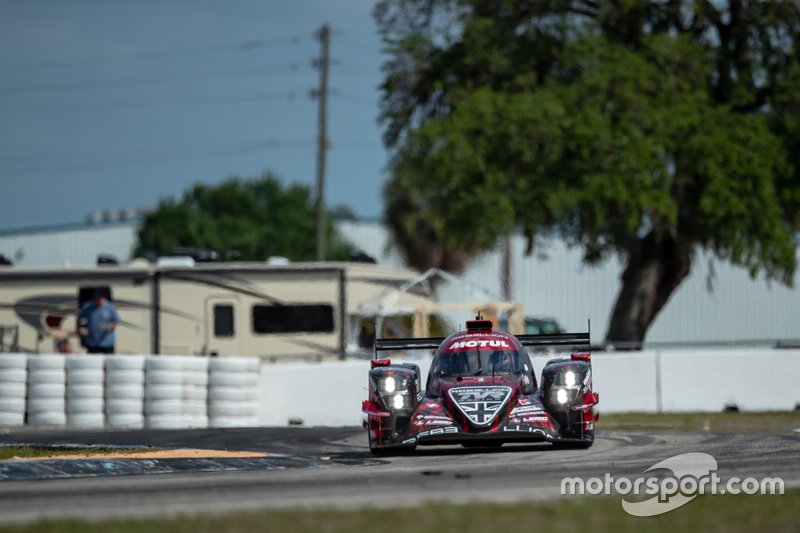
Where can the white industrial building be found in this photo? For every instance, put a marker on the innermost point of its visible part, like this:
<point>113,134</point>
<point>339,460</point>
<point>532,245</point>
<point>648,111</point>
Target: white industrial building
<point>552,282</point>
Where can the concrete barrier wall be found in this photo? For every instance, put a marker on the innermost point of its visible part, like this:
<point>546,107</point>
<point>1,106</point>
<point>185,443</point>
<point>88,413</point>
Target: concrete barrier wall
<point>240,392</point>
<point>651,381</point>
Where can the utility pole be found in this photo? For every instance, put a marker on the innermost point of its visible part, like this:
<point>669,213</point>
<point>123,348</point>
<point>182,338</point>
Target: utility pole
<point>324,36</point>
<point>505,269</point>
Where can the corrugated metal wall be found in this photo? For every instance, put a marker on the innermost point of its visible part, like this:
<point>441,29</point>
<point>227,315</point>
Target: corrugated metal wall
<point>69,245</point>
<point>552,282</point>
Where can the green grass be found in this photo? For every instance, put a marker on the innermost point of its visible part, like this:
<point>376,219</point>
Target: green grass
<point>769,422</point>
<point>706,513</point>
<point>9,452</point>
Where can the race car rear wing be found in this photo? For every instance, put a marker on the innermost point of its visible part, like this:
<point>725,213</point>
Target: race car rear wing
<point>431,343</point>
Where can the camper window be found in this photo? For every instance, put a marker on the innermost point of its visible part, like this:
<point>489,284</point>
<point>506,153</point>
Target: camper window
<point>301,318</point>
<point>223,321</point>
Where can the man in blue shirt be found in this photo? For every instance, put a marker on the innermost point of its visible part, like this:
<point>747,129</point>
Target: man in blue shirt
<point>97,320</point>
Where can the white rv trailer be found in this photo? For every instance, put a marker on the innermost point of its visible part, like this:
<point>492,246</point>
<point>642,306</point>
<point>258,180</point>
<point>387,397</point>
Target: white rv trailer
<point>277,312</point>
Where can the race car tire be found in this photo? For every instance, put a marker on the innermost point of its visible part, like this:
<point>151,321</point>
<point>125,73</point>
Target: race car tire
<point>13,361</point>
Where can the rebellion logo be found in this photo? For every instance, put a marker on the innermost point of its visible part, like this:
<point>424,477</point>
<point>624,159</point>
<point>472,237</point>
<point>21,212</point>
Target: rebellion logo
<point>480,404</point>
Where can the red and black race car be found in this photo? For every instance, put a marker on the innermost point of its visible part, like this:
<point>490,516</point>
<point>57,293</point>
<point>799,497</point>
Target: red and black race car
<point>481,391</point>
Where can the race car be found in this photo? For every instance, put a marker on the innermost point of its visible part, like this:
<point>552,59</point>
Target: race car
<point>481,391</point>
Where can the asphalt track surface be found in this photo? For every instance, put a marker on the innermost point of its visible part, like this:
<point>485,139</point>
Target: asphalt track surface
<point>337,470</point>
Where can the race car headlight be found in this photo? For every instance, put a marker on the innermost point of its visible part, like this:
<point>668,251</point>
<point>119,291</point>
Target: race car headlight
<point>392,384</point>
<point>569,379</point>
<point>396,391</point>
<point>398,402</point>
<point>561,396</point>
<point>388,384</point>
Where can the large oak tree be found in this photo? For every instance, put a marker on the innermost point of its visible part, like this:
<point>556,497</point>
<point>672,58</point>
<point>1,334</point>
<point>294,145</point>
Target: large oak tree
<point>645,129</point>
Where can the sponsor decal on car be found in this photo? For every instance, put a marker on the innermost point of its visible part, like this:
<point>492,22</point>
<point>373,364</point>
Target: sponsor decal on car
<point>479,344</point>
<point>524,429</point>
<point>432,433</point>
<point>527,409</point>
<point>433,420</point>
<point>530,419</point>
<point>480,404</point>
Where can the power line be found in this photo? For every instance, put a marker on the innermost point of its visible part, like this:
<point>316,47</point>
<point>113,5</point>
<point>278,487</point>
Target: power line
<point>244,46</point>
<point>346,69</point>
<point>127,104</point>
<point>133,158</point>
<point>152,79</point>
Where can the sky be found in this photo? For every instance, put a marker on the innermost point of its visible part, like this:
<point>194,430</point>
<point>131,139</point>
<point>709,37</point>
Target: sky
<point>108,104</point>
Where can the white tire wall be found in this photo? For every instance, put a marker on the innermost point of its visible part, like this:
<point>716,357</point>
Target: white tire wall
<point>13,389</point>
<point>233,391</point>
<point>124,391</point>
<point>85,390</point>
<point>46,397</point>
<point>194,392</point>
<point>163,392</point>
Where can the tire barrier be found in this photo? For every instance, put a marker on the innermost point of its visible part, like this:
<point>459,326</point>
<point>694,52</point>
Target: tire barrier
<point>124,391</point>
<point>194,407</point>
<point>128,391</point>
<point>46,396</point>
<point>85,390</point>
<point>233,391</point>
<point>13,389</point>
<point>163,392</point>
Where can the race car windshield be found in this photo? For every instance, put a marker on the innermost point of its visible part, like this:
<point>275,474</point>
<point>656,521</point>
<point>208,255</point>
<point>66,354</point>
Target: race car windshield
<point>479,362</point>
